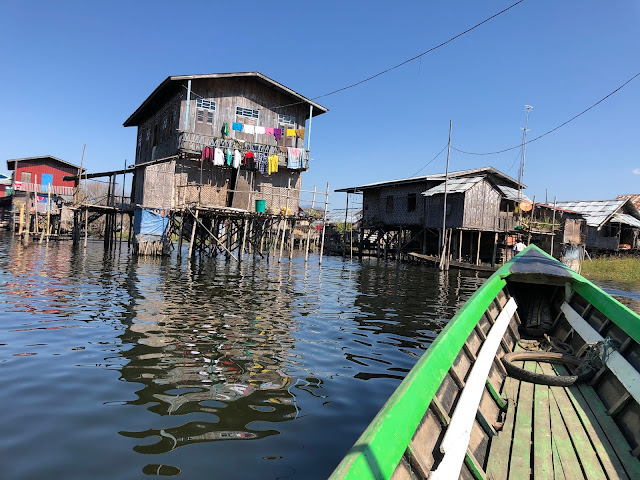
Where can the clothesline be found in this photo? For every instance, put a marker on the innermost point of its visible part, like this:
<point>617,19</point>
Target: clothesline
<point>255,129</point>
<point>296,159</point>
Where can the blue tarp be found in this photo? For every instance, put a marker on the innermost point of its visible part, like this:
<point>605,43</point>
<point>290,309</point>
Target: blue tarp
<point>149,225</point>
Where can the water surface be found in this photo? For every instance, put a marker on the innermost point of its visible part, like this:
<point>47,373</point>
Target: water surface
<point>119,367</point>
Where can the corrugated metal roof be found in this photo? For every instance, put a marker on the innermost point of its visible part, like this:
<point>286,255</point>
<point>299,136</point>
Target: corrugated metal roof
<point>626,219</point>
<point>635,199</point>
<point>337,215</point>
<point>11,163</point>
<point>512,194</point>
<point>454,185</point>
<point>435,176</point>
<point>172,84</point>
<point>595,212</point>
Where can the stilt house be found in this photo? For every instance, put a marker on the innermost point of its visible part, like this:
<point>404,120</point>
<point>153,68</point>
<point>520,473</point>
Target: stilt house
<point>611,224</point>
<point>408,213</point>
<point>204,139</point>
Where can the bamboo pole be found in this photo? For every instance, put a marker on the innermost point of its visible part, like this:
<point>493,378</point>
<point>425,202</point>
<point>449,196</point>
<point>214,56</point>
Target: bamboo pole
<point>324,223</point>
<point>193,232</point>
<point>478,249</point>
<point>313,204</point>
<point>48,212</point>
<point>553,225</point>
<point>284,232</point>
<point>533,208</point>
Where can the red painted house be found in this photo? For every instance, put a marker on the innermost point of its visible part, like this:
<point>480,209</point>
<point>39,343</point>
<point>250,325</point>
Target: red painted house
<point>35,174</point>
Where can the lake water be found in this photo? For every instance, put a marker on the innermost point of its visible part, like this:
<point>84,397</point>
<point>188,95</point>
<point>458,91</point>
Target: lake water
<point>115,367</point>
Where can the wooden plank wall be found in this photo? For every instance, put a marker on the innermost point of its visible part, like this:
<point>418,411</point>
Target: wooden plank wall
<point>455,207</point>
<point>165,122</point>
<point>481,207</point>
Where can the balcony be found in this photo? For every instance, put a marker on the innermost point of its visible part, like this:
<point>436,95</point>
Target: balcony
<point>37,188</point>
<point>194,142</point>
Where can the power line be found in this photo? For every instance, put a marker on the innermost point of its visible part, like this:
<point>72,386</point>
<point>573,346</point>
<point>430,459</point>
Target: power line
<point>555,128</point>
<point>430,161</point>
<point>360,82</point>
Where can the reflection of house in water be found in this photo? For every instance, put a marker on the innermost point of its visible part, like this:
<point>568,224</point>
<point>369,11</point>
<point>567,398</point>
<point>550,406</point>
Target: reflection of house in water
<point>219,357</point>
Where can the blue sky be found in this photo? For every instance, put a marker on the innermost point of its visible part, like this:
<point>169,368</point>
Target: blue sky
<point>73,72</point>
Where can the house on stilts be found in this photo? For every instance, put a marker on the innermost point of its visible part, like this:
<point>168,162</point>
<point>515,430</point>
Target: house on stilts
<point>214,151</point>
<point>482,220</point>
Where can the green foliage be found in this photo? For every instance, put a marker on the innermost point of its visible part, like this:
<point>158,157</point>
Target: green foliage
<point>617,269</point>
<point>342,227</point>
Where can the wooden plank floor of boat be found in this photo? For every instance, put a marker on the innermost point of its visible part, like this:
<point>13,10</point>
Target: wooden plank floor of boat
<point>557,432</point>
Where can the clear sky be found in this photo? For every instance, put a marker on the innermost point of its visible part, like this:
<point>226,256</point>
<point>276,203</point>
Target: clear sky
<point>72,72</point>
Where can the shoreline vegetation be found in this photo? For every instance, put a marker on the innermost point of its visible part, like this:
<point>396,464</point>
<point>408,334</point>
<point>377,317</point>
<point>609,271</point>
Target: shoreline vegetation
<point>618,269</point>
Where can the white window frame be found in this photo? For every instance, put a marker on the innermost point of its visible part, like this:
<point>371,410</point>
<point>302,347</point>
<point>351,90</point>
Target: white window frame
<point>206,104</point>
<point>247,112</point>
<point>284,119</point>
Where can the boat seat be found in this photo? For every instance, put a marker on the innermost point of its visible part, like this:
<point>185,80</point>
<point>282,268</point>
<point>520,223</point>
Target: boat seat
<point>557,432</point>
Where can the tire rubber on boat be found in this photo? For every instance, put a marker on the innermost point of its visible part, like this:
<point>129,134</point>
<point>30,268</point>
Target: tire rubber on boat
<point>550,357</point>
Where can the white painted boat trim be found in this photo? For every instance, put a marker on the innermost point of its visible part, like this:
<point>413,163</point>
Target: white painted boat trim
<point>621,368</point>
<point>456,440</point>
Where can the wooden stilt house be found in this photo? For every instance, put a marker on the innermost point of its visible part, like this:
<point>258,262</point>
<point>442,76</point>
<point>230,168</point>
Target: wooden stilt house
<point>222,140</point>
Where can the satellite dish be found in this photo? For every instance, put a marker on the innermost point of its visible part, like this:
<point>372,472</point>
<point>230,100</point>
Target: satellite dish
<point>526,206</point>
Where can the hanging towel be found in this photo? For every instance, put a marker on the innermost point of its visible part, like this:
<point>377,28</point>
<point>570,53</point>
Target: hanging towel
<point>296,159</point>
<point>229,156</point>
<point>300,132</point>
<point>218,157</point>
<point>291,132</point>
<point>204,154</point>
<point>250,129</point>
<point>225,129</point>
<point>260,130</point>
<point>237,158</point>
<point>237,126</point>
<point>263,164</point>
<point>277,132</point>
<point>268,131</point>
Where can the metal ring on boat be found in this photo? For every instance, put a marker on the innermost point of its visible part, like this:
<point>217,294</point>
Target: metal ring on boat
<point>542,379</point>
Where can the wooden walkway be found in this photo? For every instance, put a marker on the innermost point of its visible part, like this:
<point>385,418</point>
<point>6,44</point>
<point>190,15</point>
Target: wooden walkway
<point>558,432</point>
<point>434,261</point>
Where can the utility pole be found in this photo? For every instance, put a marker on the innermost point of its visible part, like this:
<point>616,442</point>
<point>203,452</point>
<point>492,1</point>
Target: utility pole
<point>443,244</point>
<point>524,148</point>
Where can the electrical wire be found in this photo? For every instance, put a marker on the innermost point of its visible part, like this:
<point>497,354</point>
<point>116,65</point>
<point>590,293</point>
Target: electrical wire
<point>360,82</point>
<point>430,161</point>
<point>555,128</point>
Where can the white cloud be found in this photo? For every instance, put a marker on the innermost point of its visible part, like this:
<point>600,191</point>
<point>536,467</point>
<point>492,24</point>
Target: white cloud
<point>636,171</point>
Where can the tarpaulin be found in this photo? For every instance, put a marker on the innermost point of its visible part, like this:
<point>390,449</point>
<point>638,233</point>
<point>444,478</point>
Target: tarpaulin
<point>150,225</point>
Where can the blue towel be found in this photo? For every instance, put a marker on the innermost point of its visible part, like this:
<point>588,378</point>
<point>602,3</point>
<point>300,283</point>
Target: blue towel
<point>237,126</point>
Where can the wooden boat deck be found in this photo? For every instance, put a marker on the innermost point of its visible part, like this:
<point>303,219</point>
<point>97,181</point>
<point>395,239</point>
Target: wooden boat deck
<point>557,432</point>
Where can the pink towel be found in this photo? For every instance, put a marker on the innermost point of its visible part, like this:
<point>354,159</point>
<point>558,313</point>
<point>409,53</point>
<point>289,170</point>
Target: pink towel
<point>268,131</point>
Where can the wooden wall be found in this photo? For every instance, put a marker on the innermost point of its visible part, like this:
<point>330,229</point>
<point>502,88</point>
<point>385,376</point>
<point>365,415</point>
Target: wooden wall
<point>377,209</point>
<point>163,125</point>
<point>597,239</point>
<point>481,207</point>
<point>455,209</point>
<point>246,92</point>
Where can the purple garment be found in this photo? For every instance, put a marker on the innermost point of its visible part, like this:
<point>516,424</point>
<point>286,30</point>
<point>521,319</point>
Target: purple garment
<point>277,132</point>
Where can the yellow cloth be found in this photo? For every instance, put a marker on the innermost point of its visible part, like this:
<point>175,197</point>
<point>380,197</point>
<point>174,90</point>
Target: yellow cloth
<point>273,164</point>
<point>300,132</point>
<point>291,132</point>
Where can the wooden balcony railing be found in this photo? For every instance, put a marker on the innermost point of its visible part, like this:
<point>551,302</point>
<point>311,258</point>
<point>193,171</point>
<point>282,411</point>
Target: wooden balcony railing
<point>194,142</point>
<point>37,188</point>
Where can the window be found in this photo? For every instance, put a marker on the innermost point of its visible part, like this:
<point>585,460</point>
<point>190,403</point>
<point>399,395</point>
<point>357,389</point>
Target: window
<point>246,112</point>
<point>389,208</point>
<point>154,136</point>
<point>210,117</point>
<point>200,116</point>
<point>286,120</point>
<point>411,202</point>
<point>206,104</point>
<point>170,122</point>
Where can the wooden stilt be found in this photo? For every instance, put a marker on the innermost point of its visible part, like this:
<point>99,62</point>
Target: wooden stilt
<point>193,233</point>
<point>478,251</point>
<point>495,249</point>
<point>460,247</point>
<point>324,223</point>
<point>284,232</point>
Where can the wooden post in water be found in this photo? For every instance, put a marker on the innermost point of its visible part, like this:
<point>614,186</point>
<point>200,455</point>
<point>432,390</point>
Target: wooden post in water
<point>21,226</point>
<point>28,219</point>
<point>495,249</point>
<point>193,233</point>
<point>48,212</point>
<point>324,223</point>
<point>478,250</point>
<point>553,225</point>
<point>313,204</point>
<point>284,232</point>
